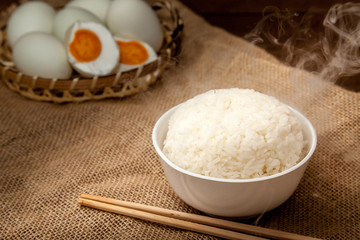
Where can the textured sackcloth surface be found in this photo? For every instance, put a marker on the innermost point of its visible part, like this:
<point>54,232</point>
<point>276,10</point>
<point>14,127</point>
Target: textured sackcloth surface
<point>50,154</point>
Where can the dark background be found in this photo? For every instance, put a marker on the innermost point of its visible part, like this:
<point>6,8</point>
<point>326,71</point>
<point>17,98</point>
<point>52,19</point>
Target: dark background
<point>240,16</point>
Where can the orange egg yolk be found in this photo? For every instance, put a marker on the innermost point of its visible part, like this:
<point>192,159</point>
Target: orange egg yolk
<point>86,46</point>
<point>132,52</point>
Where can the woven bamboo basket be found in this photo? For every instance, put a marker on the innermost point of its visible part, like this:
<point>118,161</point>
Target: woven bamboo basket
<point>78,88</point>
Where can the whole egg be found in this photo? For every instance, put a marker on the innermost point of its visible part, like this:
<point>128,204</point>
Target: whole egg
<point>137,20</point>
<point>97,7</point>
<point>29,17</point>
<point>66,17</point>
<point>41,54</point>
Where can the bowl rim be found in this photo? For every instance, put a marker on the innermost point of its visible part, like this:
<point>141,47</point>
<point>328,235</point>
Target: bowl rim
<point>159,151</point>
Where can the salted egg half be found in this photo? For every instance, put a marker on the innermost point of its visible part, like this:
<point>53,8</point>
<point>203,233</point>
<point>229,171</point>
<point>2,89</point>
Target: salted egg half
<point>134,53</point>
<point>91,49</point>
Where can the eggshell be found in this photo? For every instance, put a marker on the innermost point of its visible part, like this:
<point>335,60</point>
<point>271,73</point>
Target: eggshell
<point>91,49</point>
<point>137,19</point>
<point>68,16</point>
<point>97,7</point>
<point>41,54</point>
<point>29,17</point>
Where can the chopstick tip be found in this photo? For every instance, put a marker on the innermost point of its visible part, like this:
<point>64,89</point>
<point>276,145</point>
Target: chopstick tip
<point>80,201</point>
<point>83,195</point>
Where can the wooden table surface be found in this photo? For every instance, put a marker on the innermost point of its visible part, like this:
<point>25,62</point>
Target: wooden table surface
<point>241,16</point>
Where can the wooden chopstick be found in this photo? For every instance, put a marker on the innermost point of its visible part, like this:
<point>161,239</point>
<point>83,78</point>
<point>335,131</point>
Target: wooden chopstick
<point>204,224</point>
<point>173,222</point>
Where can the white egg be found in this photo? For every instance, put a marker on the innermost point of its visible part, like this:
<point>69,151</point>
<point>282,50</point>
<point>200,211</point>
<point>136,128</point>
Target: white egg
<point>137,19</point>
<point>91,49</point>
<point>134,54</point>
<point>68,16</point>
<point>41,54</point>
<point>99,8</point>
<point>29,17</point>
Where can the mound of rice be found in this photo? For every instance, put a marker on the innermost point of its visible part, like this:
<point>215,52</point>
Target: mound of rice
<point>234,134</point>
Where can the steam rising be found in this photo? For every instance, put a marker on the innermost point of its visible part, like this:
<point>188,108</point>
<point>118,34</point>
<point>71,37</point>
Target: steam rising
<point>330,50</point>
<point>328,45</point>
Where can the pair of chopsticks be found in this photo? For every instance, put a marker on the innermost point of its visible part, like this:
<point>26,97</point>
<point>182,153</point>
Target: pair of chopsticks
<point>197,223</point>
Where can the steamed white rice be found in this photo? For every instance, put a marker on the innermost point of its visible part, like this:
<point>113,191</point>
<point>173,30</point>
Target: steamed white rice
<point>234,134</point>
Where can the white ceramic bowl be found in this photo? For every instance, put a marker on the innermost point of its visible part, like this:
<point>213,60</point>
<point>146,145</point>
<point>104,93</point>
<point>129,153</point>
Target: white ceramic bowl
<point>233,197</point>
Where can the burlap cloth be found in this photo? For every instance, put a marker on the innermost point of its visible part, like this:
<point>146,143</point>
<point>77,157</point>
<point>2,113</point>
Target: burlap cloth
<point>50,153</point>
